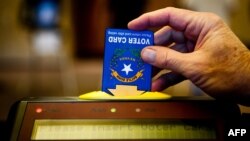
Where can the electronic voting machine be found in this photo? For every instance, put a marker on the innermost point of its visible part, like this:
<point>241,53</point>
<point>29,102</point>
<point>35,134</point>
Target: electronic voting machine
<point>125,109</point>
<point>70,118</point>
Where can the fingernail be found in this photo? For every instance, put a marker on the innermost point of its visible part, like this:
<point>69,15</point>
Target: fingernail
<point>149,55</point>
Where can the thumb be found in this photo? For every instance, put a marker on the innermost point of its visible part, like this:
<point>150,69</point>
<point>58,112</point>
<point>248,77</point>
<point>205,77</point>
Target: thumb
<point>166,58</point>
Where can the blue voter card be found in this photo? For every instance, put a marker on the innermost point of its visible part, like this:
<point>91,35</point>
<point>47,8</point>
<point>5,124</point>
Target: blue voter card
<point>123,64</point>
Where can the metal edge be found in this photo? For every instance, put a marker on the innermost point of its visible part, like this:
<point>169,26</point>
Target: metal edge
<point>18,120</point>
<point>77,99</point>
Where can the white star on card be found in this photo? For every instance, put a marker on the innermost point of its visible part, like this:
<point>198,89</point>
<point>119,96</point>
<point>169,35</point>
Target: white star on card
<point>127,68</point>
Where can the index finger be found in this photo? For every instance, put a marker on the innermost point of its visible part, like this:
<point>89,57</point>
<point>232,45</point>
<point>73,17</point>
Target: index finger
<point>179,19</point>
<point>174,17</point>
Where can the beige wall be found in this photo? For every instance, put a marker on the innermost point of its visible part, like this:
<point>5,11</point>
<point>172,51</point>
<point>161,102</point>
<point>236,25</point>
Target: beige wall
<point>240,21</point>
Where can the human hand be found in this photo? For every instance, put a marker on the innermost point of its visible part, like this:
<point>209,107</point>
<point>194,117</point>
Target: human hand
<point>197,46</point>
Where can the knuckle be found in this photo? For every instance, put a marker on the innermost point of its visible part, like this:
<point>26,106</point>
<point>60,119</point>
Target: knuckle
<point>165,62</point>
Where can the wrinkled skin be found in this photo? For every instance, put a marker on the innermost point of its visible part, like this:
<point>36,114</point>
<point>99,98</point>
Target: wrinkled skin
<point>200,47</point>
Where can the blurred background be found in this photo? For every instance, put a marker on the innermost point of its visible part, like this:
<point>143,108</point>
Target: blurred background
<point>55,47</point>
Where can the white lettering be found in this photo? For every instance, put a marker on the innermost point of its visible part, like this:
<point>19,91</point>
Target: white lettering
<point>143,41</point>
<point>236,132</point>
<point>243,131</point>
<point>113,39</point>
<point>140,41</point>
<point>231,132</point>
